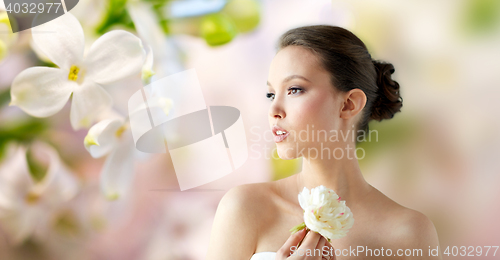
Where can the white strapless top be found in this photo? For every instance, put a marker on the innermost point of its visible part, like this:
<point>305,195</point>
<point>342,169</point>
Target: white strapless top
<point>264,256</point>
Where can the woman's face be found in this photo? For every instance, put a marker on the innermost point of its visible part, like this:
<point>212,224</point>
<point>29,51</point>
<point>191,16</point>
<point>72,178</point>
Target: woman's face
<point>303,102</point>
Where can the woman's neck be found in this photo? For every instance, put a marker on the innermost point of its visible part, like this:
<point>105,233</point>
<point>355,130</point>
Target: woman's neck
<point>342,175</point>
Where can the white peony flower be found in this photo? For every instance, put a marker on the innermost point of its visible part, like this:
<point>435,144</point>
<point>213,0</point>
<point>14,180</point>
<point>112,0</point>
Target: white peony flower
<point>324,213</point>
<point>42,91</point>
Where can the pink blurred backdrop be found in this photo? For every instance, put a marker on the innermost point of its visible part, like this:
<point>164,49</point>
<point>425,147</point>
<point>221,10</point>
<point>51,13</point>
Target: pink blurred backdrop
<point>439,156</point>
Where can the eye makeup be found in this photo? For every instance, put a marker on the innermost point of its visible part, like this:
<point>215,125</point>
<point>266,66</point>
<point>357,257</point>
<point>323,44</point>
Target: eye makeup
<point>290,89</point>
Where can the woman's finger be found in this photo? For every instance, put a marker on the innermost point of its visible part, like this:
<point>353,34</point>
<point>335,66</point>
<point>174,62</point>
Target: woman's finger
<point>310,241</point>
<point>321,243</point>
<point>328,244</point>
<point>331,252</point>
<point>290,244</point>
<point>318,252</point>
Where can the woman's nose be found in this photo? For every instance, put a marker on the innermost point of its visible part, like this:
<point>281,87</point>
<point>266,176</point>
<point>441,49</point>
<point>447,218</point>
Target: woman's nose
<point>276,111</point>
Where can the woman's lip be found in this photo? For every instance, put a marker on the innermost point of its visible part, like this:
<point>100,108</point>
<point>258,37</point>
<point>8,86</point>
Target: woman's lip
<point>280,138</point>
<point>276,129</point>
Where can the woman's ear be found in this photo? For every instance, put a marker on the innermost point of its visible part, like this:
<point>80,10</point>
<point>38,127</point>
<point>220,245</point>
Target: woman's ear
<point>354,101</point>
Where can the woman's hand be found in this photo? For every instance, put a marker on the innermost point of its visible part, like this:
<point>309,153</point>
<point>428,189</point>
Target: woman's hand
<point>314,247</point>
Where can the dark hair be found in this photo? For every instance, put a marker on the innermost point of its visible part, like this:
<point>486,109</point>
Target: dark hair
<point>350,64</point>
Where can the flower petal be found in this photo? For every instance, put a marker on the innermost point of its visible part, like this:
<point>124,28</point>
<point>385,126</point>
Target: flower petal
<point>41,91</point>
<point>118,171</point>
<point>15,183</point>
<point>59,184</point>
<point>6,35</point>
<point>114,56</point>
<point>102,137</point>
<point>147,68</point>
<point>39,54</point>
<point>3,49</point>
<point>89,100</point>
<point>325,213</point>
<point>15,179</point>
<point>304,198</point>
<point>61,40</point>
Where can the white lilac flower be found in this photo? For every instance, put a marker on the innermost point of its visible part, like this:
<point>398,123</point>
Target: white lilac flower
<point>324,213</point>
<point>147,68</point>
<point>27,203</point>
<point>156,100</point>
<point>148,27</point>
<point>112,137</point>
<point>43,91</point>
<point>7,38</point>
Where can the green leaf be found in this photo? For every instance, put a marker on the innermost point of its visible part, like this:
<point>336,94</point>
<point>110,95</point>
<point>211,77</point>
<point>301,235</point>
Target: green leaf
<point>481,16</point>
<point>158,8</point>
<point>21,132</point>
<point>217,29</point>
<point>5,97</point>
<point>37,169</point>
<point>244,13</point>
<point>116,13</point>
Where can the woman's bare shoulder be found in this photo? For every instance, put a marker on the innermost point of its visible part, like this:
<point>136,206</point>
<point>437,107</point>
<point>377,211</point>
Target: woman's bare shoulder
<point>249,191</point>
<point>248,200</point>
<point>256,201</point>
<point>249,197</point>
<point>236,216</point>
<point>408,227</point>
<point>415,229</point>
<point>395,209</point>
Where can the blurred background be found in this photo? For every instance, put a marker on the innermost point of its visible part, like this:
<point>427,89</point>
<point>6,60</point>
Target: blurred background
<point>439,156</point>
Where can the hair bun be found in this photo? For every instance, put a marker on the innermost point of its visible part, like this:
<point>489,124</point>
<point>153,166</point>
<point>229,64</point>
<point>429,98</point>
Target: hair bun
<point>389,101</point>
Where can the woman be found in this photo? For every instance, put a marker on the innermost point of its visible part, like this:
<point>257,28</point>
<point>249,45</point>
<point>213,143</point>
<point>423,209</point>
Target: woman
<point>322,78</point>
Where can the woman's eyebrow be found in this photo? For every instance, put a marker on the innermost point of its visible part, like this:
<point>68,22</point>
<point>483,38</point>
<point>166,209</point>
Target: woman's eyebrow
<point>290,78</point>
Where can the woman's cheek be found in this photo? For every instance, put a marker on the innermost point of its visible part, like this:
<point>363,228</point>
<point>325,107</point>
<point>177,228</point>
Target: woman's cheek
<point>314,112</point>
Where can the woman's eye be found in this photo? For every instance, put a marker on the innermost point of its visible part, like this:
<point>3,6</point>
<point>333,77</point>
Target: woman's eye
<point>290,91</point>
<point>294,90</point>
